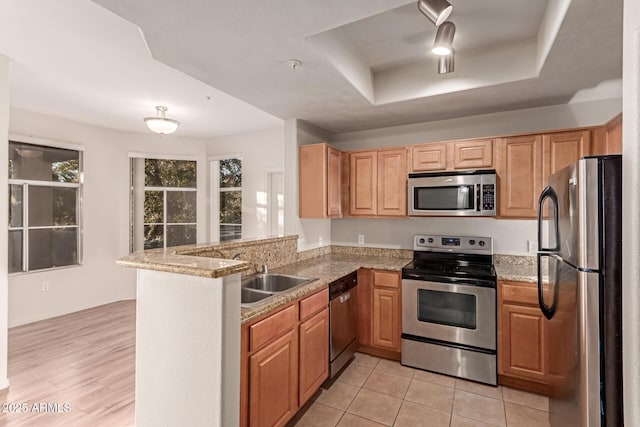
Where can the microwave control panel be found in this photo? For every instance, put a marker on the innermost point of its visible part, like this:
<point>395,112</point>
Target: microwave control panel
<point>488,197</point>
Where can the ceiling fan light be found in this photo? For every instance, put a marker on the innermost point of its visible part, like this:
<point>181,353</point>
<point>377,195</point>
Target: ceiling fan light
<point>436,10</point>
<point>161,123</point>
<point>443,44</point>
<point>447,64</point>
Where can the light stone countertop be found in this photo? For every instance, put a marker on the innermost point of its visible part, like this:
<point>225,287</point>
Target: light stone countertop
<point>168,260</point>
<point>326,269</point>
<point>517,273</point>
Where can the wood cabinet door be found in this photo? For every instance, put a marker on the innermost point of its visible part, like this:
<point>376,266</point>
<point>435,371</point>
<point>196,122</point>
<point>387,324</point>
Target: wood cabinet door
<point>312,177</point>
<point>273,382</point>
<point>363,180</point>
<point>519,169</point>
<point>476,154</point>
<point>385,331</point>
<point>521,342</point>
<point>429,157</point>
<point>314,351</point>
<point>563,148</point>
<point>334,187</point>
<point>392,182</point>
<point>607,139</point>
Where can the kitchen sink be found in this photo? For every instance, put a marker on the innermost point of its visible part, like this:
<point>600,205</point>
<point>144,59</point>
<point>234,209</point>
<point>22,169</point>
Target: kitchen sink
<point>257,288</point>
<point>274,282</point>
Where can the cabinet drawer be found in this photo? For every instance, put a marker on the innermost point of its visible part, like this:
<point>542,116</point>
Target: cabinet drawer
<point>272,327</point>
<point>520,292</point>
<point>313,304</point>
<point>387,279</point>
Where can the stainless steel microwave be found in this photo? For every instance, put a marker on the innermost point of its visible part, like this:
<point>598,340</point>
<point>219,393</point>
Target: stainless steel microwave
<point>460,193</point>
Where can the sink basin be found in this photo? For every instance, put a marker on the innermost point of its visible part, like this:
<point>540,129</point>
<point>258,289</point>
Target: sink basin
<point>274,282</point>
<point>249,297</point>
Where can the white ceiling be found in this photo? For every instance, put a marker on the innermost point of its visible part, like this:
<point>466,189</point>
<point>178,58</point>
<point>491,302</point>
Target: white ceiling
<point>366,63</point>
<point>76,60</point>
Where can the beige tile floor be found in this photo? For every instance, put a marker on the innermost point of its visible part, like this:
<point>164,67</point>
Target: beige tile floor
<point>379,392</point>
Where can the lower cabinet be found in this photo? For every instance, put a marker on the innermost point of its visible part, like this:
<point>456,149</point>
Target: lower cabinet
<point>379,312</point>
<point>314,360</point>
<point>522,337</point>
<point>273,385</point>
<point>284,360</point>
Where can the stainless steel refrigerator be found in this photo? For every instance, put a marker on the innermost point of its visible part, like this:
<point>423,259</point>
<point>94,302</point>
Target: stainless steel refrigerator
<point>580,292</point>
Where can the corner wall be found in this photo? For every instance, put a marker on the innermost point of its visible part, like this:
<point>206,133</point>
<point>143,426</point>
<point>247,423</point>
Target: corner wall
<point>105,216</point>
<point>4,212</point>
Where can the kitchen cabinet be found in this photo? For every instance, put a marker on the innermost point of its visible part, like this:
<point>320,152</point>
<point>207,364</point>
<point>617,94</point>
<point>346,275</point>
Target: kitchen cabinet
<point>392,182</point>
<point>378,182</point>
<point>608,138</point>
<point>452,155</point>
<point>314,351</point>
<point>320,189</point>
<point>363,181</point>
<point>379,312</point>
<point>284,360</point>
<point>273,391</point>
<point>519,171</point>
<point>522,336</point>
<point>560,149</point>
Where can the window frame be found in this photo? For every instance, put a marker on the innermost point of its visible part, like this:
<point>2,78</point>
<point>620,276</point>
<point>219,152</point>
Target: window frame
<point>214,179</point>
<point>154,156</point>
<point>25,183</point>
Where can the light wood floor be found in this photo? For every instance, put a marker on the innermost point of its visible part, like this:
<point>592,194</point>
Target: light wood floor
<point>85,359</point>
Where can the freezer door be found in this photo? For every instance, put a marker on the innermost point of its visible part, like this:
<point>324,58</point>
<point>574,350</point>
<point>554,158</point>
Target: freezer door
<point>577,191</point>
<point>573,359</point>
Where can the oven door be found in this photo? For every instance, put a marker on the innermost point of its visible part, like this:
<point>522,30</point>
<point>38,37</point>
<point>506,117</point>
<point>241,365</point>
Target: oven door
<point>459,314</point>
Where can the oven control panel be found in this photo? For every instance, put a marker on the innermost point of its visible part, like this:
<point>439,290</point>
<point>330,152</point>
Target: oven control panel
<point>461,244</point>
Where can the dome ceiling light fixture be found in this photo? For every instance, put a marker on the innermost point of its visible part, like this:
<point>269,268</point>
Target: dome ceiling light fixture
<point>446,64</point>
<point>443,44</point>
<point>161,123</point>
<point>436,10</point>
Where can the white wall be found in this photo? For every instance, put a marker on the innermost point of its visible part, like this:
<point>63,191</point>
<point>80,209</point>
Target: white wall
<point>630,209</point>
<point>105,214</point>
<point>261,151</point>
<point>511,122</point>
<point>4,209</point>
<point>510,236</point>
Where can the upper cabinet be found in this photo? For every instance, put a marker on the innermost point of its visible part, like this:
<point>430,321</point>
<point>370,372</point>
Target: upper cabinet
<point>440,156</point>
<point>519,170</point>
<point>563,148</point>
<point>378,182</point>
<point>319,181</point>
<point>608,138</point>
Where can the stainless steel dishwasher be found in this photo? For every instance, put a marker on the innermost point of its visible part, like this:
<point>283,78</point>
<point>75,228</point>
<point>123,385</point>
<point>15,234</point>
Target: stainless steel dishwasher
<point>343,321</point>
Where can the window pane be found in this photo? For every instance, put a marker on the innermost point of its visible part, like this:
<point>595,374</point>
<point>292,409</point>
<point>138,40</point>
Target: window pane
<point>230,173</point>
<point>52,206</point>
<point>153,236</point>
<point>52,248</point>
<point>153,207</point>
<point>230,207</point>
<point>28,161</point>
<point>15,251</point>
<point>230,232</point>
<point>181,235</point>
<point>181,206</point>
<point>169,173</point>
<point>15,205</point>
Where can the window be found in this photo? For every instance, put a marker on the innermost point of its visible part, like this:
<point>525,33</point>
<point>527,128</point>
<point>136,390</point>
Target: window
<point>228,173</point>
<point>44,207</point>
<point>163,203</point>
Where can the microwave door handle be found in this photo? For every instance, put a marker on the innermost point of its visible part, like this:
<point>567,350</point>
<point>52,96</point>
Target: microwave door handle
<point>478,197</point>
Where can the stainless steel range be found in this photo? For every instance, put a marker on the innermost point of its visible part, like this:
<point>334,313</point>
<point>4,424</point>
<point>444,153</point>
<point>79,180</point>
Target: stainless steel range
<point>449,307</point>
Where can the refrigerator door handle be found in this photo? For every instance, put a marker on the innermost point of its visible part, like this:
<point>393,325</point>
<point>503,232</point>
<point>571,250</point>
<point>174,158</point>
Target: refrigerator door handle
<point>548,193</point>
<point>550,310</point>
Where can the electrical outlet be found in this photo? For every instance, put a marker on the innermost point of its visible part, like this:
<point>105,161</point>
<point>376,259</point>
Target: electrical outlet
<point>45,286</point>
<point>320,241</point>
<point>361,239</point>
<point>532,246</point>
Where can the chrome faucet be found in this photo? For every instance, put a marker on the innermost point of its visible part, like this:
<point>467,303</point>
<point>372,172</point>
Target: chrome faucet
<point>237,256</point>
